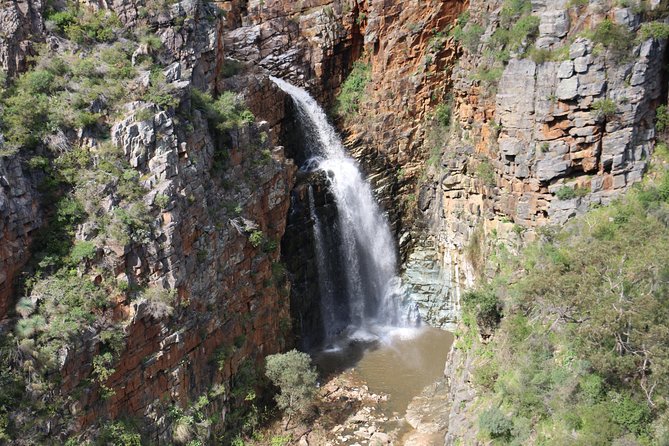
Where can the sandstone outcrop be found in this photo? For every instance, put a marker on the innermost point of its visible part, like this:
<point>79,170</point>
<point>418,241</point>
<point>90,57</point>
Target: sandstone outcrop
<point>20,216</point>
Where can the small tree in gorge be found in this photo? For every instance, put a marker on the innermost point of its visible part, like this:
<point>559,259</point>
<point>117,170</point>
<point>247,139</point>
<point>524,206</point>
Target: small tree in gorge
<point>295,377</point>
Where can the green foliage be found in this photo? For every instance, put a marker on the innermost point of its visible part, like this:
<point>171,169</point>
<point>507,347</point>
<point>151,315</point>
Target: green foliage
<point>226,113</point>
<point>632,415</point>
<point>256,238</point>
<point>353,90</point>
<point>469,36</point>
<point>655,30</point>
<point>485,306</point>
<point>565,193</point>
<point>82,250</point>
<point>161,92</point>
<point>661,151</point>
<point>102,371</point>
<point>614,37</point>
<point>443,114</point>
<point>604,108</point>
<point>581,355</point>
<point>486,173</point>
<point>280,440</point>
<point>495,424</point>
<point>518,29</point>
<point>661,118</point>
<point>119,433</point>
<point>84,26</point>
<point>488,77</point>
<point>59,92</point>
<point>232,112</point>
<point>295,377</point>
<point>161,200</point>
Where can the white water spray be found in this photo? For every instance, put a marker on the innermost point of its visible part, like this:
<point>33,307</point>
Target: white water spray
<point>368,248</point>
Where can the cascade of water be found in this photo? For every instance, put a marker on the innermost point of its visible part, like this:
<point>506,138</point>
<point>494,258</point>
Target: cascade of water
<point>324,276</point>
<point>367,246</point>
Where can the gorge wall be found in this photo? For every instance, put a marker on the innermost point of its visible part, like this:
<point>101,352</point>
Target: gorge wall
<point>529,142</point>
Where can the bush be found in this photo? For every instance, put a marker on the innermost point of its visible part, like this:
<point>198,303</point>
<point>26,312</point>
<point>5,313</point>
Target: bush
<point>353,89</point>
<point>565,193</point>
<point>632,415</point>
<point>486,306</point>
<point>226,113</point>
<point>604,108</point>
<point>119,433</point>
<point>486,173</point>
<point>661,118</point>
<point>256,238</point>
<point>443,114</point>
<point>616,38</point>
<point>295,377</point>
<point>160,302</point>
<point>495,424</point>
<point>82,250</point>
<point>468,36</point>
<point>232,112</point>
<point>655,30</point>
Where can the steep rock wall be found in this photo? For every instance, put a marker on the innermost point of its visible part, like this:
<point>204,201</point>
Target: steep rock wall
<point>20,216</point>
<point>206,193</point>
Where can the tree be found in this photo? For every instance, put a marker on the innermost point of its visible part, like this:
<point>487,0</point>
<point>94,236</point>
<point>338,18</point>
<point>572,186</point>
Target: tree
<point>295,377</point>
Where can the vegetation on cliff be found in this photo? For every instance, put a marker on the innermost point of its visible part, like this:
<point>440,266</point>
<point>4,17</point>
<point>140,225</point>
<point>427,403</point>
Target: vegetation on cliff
<point>353,90</point>
<point>73,299</point>
<point>579,352</point>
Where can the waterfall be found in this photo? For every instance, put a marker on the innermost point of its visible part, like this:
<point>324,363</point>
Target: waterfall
<point>367,248</point>
<point>325,286</point>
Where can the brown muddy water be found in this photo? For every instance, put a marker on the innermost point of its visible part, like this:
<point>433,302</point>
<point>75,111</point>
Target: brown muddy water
<point>400,364</point>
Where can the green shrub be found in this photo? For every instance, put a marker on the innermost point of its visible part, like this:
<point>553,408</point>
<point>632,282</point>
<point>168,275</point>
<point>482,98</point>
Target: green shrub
<point>592,388</point>
<point>495,424</point>
<point>161,92</point>
<point>632,415</point>
<point>295,377</point>
<point>565,193</point>
<point>161,200</point>
<point>63,19</point>
<point>616,38</point>
<point>91,27</point>
<point>661,118</point>
<point>443,114</point>
<point>575,306</point>
<point>662,151</point>
<point>226,113</point>
<point>256,238</point>
<point>38,81</point>
<point>486,173</point>
<point>604,108</point>
<point>82,250</point>
<point>119,433</point>
<point>486,306</point>
<point>468,36</point>
<point>280,440</point>
<point>655,30</point>
<point>353,89</point>
<point>232,112</point>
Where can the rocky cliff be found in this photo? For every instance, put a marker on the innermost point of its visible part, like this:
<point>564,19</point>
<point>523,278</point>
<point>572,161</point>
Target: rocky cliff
<point>473,131</point>
<point>189,255</point>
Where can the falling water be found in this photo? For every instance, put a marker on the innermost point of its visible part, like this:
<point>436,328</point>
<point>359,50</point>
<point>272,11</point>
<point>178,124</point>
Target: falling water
<point>367,246</point>
<point>324,277</point>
